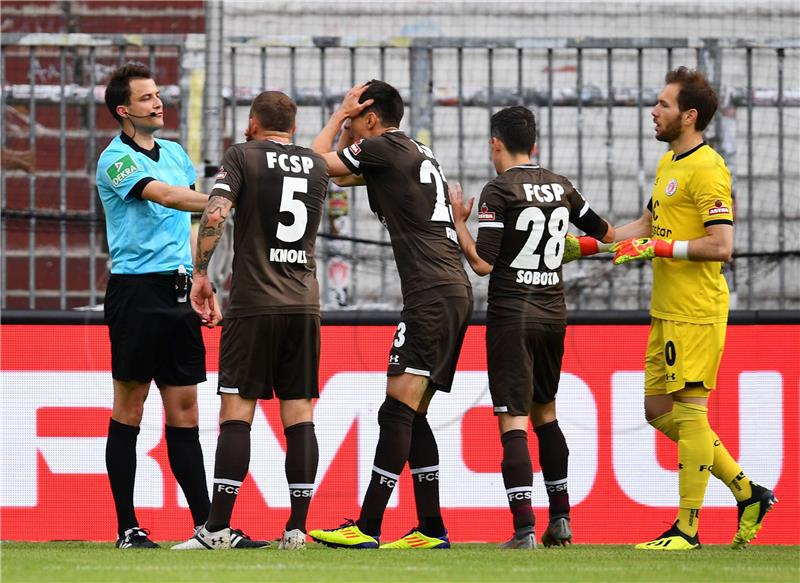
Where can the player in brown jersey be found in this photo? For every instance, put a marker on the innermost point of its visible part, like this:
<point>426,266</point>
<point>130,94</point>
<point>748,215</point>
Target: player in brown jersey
<point>271,336</point>
<point>523,217</point>
<point>408,191</point>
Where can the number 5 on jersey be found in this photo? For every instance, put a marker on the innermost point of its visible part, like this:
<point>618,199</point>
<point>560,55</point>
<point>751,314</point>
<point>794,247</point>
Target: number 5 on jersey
<point>294,231</point>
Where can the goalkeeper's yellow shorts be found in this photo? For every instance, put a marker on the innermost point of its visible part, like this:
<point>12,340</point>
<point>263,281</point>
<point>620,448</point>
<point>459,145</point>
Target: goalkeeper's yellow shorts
<point>681,354</point>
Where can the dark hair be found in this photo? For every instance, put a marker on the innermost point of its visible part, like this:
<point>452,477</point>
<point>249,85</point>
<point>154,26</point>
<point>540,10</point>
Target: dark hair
<point>695,93</point>
<point>516,128</point>
<point>118,90</point>
<point>388,105</point>
<point>274,110</point>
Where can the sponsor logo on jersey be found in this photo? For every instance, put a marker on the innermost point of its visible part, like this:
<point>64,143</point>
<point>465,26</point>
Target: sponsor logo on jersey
<point>484,214</point>
<point>355,148</point>
<point>221,173</point>
<point>122,169</point>
<point>672,187</point>
<point>718,209</point>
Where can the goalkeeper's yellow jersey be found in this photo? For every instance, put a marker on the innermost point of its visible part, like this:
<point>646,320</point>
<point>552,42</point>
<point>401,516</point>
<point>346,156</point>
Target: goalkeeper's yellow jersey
<point>691,192</point>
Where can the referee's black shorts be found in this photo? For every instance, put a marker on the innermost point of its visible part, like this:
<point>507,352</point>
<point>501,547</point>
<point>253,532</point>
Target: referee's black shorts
<point>524,362</point>
<point>153,336</point>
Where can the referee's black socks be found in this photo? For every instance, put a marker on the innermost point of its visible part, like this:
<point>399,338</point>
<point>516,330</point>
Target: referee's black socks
<point>186,460</point>
<point>121,468</point>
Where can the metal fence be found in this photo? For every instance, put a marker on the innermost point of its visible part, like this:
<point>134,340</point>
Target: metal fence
<point>591,96</point>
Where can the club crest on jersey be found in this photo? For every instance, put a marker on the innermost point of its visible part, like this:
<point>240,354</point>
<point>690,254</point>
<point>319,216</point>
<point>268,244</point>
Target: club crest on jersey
<point>672,187</point>
<point>355,148</point>
<point>221,173</point>
<point>718,209</point>
<point>484,214</point>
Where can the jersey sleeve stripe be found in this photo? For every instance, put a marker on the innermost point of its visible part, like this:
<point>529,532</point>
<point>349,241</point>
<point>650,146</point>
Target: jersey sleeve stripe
<point>221,186</point>
<point>718,222</point>
<point>349,156</point>
<point>584,209</point>
<point>491,224</point>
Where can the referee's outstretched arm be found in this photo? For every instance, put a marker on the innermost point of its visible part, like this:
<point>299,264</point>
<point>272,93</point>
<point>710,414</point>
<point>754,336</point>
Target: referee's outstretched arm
<point>177,197</point>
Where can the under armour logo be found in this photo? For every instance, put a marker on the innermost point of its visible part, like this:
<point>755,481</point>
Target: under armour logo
<point>394,359</point>
<point>216,541</point>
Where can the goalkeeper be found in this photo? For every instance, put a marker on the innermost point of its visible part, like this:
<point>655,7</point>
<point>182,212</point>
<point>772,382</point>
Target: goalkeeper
<point>689,222</point>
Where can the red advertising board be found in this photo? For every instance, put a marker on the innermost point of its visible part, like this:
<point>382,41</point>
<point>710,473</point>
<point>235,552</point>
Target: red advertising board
<point>56,398</point>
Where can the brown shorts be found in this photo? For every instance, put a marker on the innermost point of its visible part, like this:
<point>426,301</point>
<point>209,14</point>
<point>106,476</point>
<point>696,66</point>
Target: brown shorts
<point>259,354</point>
<point>428,339</point>
<point>524,365</point>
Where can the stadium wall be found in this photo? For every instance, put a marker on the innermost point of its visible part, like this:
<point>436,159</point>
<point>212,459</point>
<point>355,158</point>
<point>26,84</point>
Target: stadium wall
<point>56,402</point>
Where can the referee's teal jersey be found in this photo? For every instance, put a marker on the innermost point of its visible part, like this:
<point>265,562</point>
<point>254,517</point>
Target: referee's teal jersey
<point>144,236</point>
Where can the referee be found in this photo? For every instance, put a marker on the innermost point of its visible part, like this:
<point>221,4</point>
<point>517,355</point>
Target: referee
<point>147,189</point>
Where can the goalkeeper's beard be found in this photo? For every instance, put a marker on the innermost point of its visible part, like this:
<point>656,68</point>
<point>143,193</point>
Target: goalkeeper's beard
<point>671,132</point>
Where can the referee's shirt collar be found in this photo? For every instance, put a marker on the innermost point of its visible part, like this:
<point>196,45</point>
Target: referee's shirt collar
<point>152,154</point>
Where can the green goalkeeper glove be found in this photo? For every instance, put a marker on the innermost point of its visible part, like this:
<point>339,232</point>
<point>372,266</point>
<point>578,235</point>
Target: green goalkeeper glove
<point>577,247</point>
<point>633,249</point>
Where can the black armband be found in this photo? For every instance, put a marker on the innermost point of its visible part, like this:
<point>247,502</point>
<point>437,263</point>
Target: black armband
<point>591,224</point>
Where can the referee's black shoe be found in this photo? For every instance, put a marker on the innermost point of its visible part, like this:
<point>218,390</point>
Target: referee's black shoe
<point>135,538</point>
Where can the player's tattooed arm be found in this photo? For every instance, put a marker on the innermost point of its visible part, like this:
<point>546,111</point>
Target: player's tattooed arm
<point>212,225</point>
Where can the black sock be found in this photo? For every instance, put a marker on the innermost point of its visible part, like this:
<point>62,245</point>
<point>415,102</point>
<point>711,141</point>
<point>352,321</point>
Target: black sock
<point>302,457</point>
<point>553,457</point>
<point>518,479</point>
<point>423,459</point>
<point>391,453</point>
<point>121,468</point>
<point>186,460</point>
<point>230,469</point>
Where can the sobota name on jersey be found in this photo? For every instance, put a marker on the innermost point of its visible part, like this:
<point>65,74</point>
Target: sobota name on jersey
<point>288,256</point>
<point>290,162</point>
<point>537,277</point>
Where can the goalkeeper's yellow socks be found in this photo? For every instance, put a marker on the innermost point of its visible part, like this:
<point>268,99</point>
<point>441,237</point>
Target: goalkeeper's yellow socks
<point>729,472</point>
<point>695,457</point>
<point>724,467</point>
<point>666,425</point>
<point>688,521</point>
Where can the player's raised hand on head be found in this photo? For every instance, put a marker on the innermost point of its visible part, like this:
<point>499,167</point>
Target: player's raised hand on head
<point>350,106</point>
<point>461,210</point>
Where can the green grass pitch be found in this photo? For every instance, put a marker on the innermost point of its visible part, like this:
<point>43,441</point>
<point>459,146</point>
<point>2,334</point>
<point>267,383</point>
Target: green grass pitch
<point>90,562</point>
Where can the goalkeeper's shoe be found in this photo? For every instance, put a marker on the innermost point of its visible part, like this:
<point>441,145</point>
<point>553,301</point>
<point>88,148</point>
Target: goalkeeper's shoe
<point>240,540</point>
<point>672,540</point>
<point>751,515</point>
<point>205,540</point>
<point>577,247</point>
<point>633,249</point>
<point>292,540</point>
<point>526,541</point>
<point>558,533</point>
<point>135,538</point>
<point>348,536</point>
<point>417,540</point>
